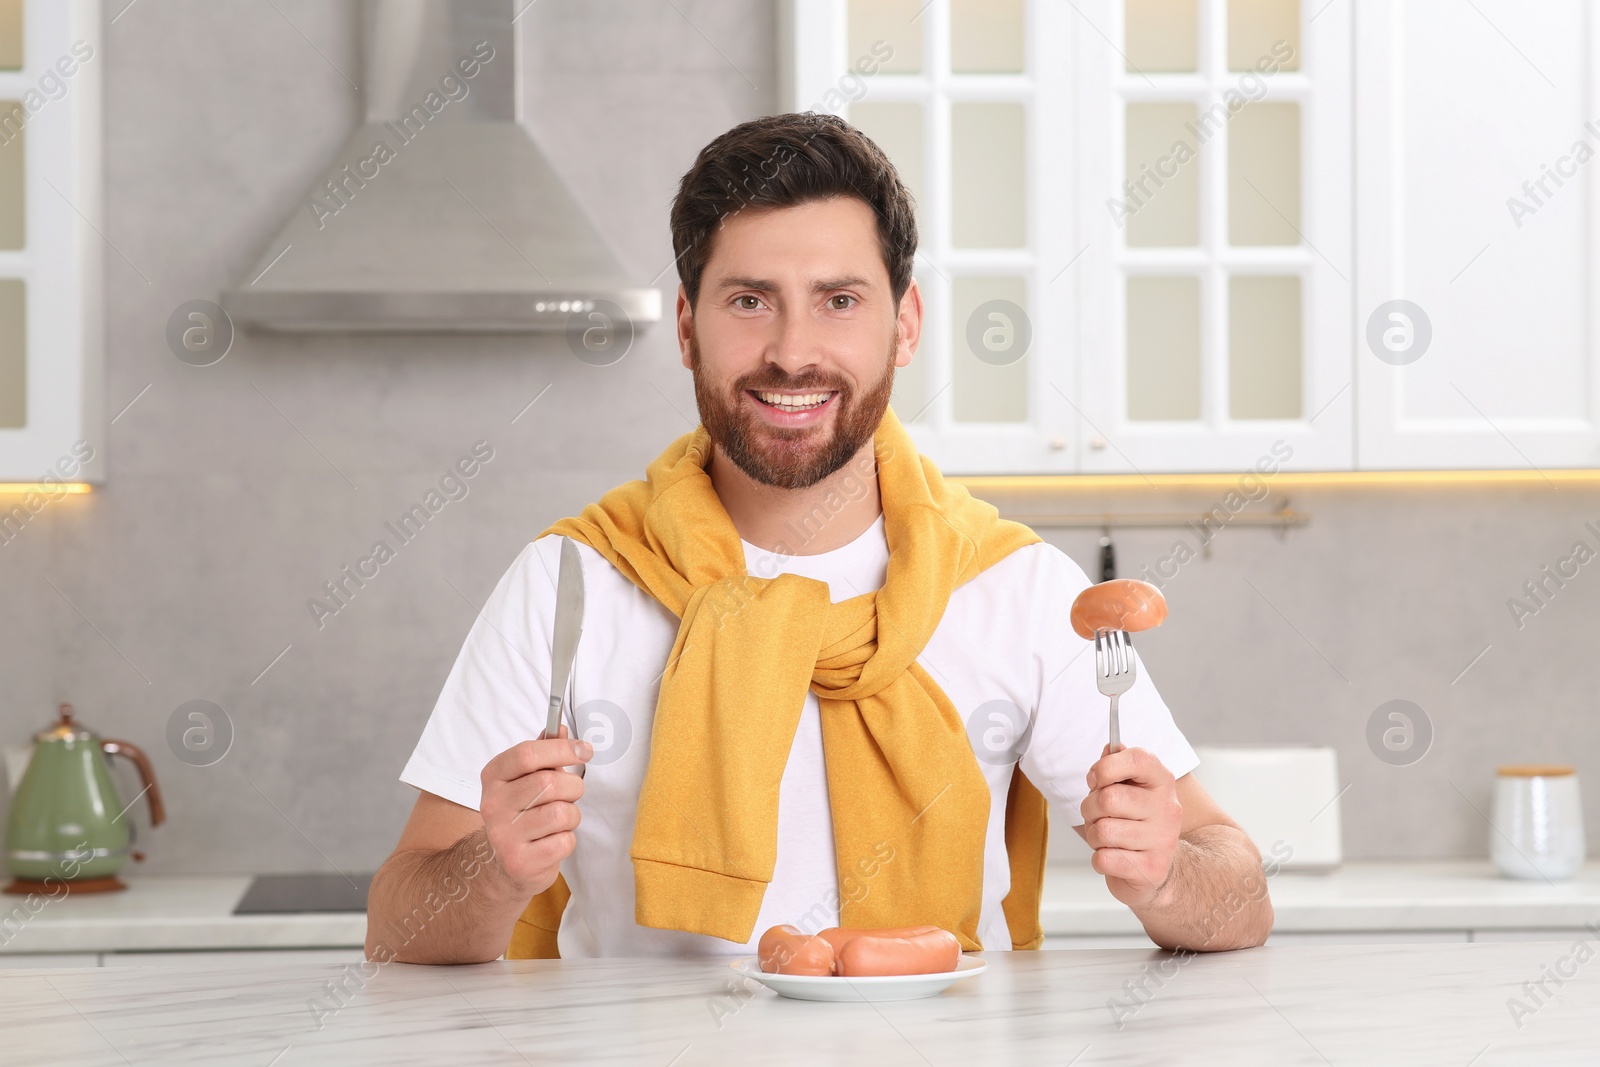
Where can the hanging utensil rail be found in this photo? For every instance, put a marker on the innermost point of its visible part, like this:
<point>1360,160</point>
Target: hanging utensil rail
<point>1281,519</point>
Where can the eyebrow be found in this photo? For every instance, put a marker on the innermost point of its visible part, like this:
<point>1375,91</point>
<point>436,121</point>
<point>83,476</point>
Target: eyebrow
<point>764,285</point>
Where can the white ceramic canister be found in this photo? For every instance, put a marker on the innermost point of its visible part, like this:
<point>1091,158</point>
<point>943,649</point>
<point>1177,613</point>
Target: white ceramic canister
<point>1537,827</point>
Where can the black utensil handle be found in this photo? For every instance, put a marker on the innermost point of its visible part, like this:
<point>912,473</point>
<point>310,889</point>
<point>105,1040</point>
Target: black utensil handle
<point>1108,559</point>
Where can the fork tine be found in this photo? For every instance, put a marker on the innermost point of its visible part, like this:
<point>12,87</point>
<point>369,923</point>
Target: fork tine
<point>1124,661</point>
<point>1115,673</point>
<point>1115,667</point>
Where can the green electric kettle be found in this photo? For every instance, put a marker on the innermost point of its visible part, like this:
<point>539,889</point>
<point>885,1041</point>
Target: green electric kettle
<point>68,828</point>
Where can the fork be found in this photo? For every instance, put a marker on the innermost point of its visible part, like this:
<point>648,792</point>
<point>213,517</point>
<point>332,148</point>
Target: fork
<point>1115,672</point>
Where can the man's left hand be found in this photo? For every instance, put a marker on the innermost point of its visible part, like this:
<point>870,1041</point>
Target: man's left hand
<point>1132,818</point>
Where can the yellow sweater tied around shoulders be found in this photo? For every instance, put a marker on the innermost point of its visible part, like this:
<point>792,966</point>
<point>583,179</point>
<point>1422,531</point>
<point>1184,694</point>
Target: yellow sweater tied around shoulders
<point>905,789</point>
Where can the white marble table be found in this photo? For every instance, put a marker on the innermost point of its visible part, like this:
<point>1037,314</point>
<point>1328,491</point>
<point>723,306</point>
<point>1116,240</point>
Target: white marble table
<point>1416,1004</point>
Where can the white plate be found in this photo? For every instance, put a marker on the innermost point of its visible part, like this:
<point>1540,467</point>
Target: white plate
<point>858,990</point>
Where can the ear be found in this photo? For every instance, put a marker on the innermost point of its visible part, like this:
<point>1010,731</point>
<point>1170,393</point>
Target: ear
<point>685,314</point>
<point>910,320</point>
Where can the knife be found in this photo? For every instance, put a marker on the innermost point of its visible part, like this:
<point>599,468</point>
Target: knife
<point>564,642</point>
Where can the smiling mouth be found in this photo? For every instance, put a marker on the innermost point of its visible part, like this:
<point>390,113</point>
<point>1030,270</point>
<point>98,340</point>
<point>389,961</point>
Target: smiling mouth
<point>792,401</point>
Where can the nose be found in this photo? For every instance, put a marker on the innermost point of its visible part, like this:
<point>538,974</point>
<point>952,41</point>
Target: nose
<point>796,349</point>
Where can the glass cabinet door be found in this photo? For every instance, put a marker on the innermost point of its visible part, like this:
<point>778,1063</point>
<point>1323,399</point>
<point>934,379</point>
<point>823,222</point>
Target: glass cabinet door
<point>1217,319</point>
<point>957,98</point>
<point>13,289</point>
<point>50,254</point>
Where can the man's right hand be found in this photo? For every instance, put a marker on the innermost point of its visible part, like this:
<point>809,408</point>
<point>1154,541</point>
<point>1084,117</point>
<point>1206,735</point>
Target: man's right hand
<point>529,808</point>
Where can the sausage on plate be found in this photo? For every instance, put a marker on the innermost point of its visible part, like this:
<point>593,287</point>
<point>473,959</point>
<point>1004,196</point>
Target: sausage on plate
<point>917,950</point>
<point>837,936</point>
<point>785,950</point>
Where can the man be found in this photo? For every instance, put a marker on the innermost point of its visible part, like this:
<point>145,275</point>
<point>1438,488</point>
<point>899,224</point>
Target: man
<point>820,685</point>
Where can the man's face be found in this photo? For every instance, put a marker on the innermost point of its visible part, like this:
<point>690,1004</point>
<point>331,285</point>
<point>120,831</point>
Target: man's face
<point>795,338</point>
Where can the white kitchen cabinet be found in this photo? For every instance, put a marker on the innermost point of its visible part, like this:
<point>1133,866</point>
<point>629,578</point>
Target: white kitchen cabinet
<point>246,959</point>
<point>49,959</point>
<point>179,958</point>
<point>1205,330</point>
<point>51,249</point>
<point>1301,937</point>
<point>1239,299</point>
<point>974,106</point>
<point>1476,200</point>
<point>1368,937</point>
<point>1099,941</point>
<point>1565,934</point>
<point>1214,283</point>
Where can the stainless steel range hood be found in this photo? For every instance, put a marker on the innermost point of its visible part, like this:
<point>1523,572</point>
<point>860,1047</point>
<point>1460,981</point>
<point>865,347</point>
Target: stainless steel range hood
<point>439,213</point>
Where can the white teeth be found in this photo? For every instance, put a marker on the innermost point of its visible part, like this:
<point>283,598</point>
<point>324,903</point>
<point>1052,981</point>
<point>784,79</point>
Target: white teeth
<point>806,400</point>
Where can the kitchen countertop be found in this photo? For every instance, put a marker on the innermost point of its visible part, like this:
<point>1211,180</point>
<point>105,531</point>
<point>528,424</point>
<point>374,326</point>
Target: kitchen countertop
<point>157,913</point>
<point>1299,1004</point>
<point>1439,895</point>
<point>173,912</point>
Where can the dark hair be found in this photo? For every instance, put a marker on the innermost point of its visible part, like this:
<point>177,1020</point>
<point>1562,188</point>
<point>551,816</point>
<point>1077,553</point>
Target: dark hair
<point>785,160</point>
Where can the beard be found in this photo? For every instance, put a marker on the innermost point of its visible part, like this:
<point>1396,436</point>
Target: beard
<point>789,457</point>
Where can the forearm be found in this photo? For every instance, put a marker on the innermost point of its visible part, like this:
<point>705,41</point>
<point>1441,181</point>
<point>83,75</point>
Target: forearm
<point>1215,897</point>
<point>451,905</point>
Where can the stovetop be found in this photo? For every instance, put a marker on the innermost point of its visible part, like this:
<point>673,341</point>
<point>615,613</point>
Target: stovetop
<point>279,894</point>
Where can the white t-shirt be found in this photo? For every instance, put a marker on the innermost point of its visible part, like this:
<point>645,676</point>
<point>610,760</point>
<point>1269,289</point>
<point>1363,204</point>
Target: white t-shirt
<point>1004,653</point>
